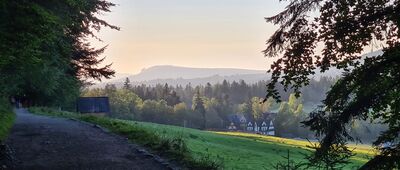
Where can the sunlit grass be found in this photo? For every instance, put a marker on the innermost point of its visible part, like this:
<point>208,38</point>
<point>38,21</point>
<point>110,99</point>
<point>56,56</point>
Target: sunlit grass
<point>363,152</point>
<point>240,150</point>
<point>358,148</point>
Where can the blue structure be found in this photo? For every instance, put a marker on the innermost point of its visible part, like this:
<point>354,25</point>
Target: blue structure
<point>237,122</point>
<point>93,105</point>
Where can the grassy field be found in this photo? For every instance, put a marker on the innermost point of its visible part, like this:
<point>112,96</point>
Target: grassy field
<point>247,151</point>
<point>236,150</point>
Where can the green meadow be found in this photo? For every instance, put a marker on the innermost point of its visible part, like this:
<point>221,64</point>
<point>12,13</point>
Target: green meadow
<point>247,151</point>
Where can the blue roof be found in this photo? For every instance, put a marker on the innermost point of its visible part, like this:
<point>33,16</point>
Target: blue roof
<point>235,118</point>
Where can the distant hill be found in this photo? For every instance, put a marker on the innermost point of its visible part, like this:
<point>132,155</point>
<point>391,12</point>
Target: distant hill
<point>248,78</point>
<point>175,72</point>
<point>176,75</point>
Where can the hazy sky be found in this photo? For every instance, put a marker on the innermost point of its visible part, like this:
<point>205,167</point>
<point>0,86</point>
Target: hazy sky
<point>193,33</point>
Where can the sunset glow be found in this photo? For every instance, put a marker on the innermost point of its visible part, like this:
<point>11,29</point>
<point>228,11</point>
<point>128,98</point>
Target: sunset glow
<point>193,33</point>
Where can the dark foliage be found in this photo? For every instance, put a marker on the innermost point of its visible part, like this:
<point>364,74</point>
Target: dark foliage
<point>44,53</point>
<point>369,88</point>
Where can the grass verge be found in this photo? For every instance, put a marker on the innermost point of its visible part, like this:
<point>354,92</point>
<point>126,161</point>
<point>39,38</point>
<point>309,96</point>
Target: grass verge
<point>173,147</point>
<point>7,118</point>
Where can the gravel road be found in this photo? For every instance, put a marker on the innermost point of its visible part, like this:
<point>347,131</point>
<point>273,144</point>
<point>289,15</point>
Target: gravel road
<point>41,142</point>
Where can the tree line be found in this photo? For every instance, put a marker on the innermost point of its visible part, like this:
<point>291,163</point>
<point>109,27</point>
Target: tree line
<point>236,91</point>
<point>205,106</point>
<point>209,106</point>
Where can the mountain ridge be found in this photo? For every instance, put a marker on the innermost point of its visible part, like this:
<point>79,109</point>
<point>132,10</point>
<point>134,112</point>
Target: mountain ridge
<point>175,72</point>
<point>180,75</point>
<point>175,75</point>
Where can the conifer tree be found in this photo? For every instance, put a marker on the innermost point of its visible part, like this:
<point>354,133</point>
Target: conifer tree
<point>127,84</point>
<point>198,106</point>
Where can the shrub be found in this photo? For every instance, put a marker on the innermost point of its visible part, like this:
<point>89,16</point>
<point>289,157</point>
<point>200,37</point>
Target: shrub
<point>7,118</point>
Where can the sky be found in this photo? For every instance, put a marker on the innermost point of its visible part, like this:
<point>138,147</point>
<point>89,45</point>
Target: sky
<point>191,33</point>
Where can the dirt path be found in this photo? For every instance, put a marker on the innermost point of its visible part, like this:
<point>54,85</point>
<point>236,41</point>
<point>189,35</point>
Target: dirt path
<point>54,143</point>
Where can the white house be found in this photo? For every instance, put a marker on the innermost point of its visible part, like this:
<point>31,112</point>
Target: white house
<point>249,126</point>
<point>264,127</point>
<point>271,129</point>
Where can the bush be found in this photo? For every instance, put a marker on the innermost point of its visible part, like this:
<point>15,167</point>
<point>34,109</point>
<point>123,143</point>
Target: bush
<point>7,118</point>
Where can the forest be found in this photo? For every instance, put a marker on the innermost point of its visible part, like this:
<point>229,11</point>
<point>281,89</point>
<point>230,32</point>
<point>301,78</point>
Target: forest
<point>209,106</point>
